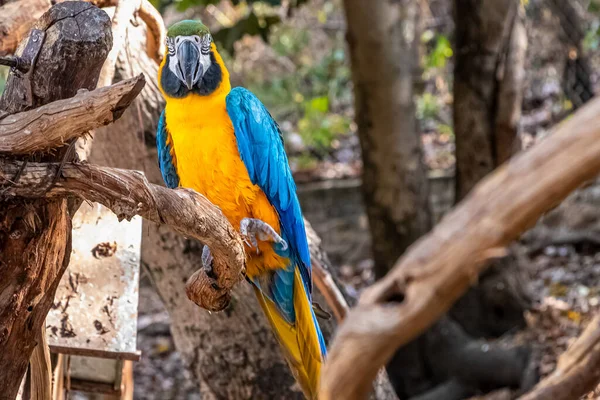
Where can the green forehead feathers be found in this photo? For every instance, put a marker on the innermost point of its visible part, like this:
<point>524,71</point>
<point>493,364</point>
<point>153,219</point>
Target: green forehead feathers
<point>187,27</point>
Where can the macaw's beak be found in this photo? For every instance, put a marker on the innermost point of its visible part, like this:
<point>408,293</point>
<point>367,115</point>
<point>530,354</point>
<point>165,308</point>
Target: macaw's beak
<point>188,64</point>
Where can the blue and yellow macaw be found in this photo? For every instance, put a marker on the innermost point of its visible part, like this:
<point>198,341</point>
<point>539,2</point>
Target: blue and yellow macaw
<point>223,143</point>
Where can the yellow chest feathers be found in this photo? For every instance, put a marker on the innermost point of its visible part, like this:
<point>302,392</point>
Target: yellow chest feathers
<point>207,160</point>
<point>206,154</point>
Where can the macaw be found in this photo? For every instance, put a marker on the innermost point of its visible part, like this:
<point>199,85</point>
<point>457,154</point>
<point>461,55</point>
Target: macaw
<point>223,143</point>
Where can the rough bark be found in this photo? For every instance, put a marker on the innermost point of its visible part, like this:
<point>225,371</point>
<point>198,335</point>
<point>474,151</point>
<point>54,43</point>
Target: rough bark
<point>491,45</point>
<point>52,125</point>
<point>383,43</point>
<point>439,268</point>
<point>490,52</point>
<point>35,235</point>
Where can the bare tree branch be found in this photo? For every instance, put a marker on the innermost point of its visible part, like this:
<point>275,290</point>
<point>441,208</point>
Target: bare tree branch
<point>157,33</point>
<point>439,268</point>
<point>128,193</point>
<point>578,369</point>
<point>53,124</point>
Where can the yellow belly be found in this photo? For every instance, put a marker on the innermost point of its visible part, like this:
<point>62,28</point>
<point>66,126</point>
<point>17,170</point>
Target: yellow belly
<point>208,161</point>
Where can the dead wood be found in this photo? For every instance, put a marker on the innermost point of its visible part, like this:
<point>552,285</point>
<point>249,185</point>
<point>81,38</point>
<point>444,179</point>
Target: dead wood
<point>439,268</point>
<point>52,125</point>
<point>577,371</point>
<point>128,193</point>
<point>65,54</point>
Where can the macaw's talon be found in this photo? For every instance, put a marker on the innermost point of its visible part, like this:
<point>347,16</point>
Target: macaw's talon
<point>207,258</point>
<point>251,229</point>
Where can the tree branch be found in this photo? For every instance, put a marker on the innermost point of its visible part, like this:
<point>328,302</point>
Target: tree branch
<point>128,193</point>
<point>578,369</point>
<point>439,268</point>
<point>157,33</point>
<point>50,126</point>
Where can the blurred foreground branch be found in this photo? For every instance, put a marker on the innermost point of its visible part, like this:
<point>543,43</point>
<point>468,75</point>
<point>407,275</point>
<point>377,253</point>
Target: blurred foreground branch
<point>440,267</point>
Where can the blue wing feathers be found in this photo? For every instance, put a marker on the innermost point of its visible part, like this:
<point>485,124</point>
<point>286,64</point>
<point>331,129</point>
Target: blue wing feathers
<point>261,148</point>
<point>165,160</point>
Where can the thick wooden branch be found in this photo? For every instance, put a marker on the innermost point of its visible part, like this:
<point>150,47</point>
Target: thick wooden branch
<point>128,193</point>
<point>440,267</point>
<point>52,125</point>
<point>578,369</point>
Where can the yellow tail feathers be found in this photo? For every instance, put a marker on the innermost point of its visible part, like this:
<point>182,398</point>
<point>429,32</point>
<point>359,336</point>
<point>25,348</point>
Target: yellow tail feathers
<point>300,342</point>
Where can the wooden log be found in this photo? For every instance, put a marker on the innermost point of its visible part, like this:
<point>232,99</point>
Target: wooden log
<point>52,125</point>
<point>438,269</point>
<point>35,238</point>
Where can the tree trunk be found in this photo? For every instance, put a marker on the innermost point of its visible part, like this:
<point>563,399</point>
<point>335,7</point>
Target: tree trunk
<point>232,354</point>
<point>491,45</point>
<point>490,53</point>
<point>383,42</point>
<point>35,236</point>
<point>577,83</point>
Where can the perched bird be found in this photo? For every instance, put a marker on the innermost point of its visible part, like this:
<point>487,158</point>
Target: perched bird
<point>223,143</point>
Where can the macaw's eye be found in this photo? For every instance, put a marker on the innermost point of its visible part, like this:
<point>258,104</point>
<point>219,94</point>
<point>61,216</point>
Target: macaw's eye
<point>170,47</point>
<point>205,46</point>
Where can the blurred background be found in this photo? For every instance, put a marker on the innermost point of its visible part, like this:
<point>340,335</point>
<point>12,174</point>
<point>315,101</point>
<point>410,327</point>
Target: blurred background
<point>293,55</point>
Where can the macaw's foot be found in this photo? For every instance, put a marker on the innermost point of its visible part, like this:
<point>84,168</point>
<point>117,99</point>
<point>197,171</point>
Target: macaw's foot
<point>253,229</point>
<point>207,258</point>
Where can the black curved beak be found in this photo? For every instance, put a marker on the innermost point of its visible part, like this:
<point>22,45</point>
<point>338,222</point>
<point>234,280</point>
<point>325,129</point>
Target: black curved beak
<point>190,68</point>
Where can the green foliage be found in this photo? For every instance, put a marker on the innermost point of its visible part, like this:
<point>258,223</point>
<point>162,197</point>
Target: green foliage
<point>251,25</point>
<point>318,127</point>
<point>439,52</point>
<point>428,106</point>
<point>592,37</point>
<point>309,97</point>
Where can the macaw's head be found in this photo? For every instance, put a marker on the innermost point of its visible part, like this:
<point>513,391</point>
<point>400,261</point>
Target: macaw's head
<point>192,64</point>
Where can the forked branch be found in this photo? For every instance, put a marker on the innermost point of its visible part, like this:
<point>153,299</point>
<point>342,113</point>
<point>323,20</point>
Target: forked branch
<point>128,193</point>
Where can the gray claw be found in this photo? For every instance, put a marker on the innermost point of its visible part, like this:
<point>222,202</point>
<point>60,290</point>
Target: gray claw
<point>207,258</point>
<point>251,228</point>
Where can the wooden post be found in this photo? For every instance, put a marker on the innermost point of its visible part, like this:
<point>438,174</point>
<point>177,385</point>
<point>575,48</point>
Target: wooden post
<point>35,236</point>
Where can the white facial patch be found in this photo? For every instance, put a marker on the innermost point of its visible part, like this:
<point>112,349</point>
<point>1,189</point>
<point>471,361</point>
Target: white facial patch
<point>202,43</point>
